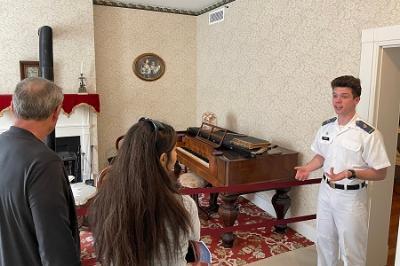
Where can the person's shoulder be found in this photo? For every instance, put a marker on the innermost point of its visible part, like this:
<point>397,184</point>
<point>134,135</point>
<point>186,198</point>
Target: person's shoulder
<point>188,201</point>
<point>43,155</point>
<point>364,126</point>
<point>329,121</point>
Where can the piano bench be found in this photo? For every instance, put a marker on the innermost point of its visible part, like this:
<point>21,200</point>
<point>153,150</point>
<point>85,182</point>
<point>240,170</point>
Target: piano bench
<point>191,180</point>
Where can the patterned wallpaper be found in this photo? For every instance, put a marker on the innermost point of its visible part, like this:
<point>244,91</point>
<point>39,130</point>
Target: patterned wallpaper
<point>121,35</point>
<point>72,40</point>
<point>266,70</point>
<point>73,43</point>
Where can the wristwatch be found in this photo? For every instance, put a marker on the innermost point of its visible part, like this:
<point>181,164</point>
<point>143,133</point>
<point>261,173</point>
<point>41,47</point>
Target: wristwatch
<point>353,174</point>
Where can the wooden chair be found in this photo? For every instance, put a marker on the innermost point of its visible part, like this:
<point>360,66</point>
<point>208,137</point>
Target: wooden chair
<point>103,175</point>
<point>118,142</point>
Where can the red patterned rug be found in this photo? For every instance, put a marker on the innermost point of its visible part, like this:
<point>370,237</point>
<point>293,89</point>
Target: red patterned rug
<point>249,246</point>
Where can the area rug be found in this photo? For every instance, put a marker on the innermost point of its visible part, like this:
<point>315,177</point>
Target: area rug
<point>249,246</point>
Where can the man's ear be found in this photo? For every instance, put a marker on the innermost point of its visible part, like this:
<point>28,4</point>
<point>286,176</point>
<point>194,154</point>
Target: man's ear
<point>56,112</point>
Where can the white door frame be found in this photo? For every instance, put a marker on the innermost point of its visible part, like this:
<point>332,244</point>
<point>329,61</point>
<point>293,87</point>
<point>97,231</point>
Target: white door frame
<point>373,40</point>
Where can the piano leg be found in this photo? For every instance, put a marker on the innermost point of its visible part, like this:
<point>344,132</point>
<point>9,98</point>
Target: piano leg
<point>228,211</point>
<point>281,203</point>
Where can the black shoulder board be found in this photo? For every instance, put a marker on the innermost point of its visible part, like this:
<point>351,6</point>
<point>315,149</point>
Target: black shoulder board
<point>333,119</point>
<point>364,126</point>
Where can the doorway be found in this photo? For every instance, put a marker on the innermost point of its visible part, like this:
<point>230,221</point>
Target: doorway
<point>380,75</point>
<point>387,113</point>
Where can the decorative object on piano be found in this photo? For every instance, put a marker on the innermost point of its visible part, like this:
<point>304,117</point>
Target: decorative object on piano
<point>29,69</point>
<point>148,66</point>
<point>209,118</point>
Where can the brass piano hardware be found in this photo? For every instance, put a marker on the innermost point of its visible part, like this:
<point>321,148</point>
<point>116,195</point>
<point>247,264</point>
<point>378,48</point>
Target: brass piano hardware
<point>213,139</point>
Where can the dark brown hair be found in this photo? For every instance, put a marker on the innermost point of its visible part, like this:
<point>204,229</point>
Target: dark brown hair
<point>350,82</point>
<point>137,214</point>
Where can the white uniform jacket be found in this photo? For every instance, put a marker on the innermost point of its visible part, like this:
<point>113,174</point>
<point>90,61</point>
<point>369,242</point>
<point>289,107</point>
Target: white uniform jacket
<point>355,145</point>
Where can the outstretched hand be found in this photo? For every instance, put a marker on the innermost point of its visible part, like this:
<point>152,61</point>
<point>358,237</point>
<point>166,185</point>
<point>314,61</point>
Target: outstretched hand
<point>336,177</point>
<point>302,173</point>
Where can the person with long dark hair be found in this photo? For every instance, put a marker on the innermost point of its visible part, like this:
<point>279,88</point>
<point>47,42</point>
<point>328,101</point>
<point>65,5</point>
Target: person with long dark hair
<point>138,217</point>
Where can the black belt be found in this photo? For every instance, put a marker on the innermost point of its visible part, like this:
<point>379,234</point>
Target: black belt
<point>344,187</point>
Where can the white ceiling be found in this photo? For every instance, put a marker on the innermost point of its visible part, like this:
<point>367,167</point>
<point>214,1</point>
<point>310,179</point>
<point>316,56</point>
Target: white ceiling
<point>192,5</point>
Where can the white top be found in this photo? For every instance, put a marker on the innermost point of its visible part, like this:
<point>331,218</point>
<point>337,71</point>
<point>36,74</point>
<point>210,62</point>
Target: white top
<point>82,192</point>
<point>194,234</point>
<point>355,145</point>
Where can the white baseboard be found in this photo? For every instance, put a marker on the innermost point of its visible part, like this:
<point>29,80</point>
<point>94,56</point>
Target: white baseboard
<point>263,201</point>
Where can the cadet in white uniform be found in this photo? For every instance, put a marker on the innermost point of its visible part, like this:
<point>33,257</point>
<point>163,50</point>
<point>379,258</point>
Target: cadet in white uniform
<point>350,152</point>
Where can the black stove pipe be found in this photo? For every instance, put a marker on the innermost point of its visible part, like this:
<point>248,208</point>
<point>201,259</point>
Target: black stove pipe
<point>46,68</point>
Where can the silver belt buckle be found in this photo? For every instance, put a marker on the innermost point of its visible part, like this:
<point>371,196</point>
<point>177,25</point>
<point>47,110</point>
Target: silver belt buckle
<point>331,184</point>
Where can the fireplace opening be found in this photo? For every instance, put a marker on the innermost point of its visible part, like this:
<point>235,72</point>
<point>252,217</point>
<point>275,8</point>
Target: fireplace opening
<point>69,150</point>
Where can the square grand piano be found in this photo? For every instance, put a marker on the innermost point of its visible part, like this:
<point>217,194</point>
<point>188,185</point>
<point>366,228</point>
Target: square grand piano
<point>239,164</point>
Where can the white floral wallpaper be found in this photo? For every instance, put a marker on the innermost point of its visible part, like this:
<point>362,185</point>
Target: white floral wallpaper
<point>122,34</point>
<point>266,69</point>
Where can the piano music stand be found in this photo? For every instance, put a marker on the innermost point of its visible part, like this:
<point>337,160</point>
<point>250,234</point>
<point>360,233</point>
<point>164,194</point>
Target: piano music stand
<point>211,137</point>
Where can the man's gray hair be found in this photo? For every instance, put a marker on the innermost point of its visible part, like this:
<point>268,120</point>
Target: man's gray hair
<point>36,99</point>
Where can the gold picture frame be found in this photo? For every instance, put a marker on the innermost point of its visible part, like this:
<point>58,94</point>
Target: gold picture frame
<point>29,69</point>
<point>148,67</point>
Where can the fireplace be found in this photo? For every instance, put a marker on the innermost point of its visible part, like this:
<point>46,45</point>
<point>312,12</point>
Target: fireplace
<point>77,121</point>
<point>74,144</point>
<point>69,150</point>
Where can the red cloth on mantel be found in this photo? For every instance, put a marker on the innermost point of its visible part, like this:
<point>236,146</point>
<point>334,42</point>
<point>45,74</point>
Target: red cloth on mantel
<point>73,100</point>
<point>5,102</point>
<point>70,101</point>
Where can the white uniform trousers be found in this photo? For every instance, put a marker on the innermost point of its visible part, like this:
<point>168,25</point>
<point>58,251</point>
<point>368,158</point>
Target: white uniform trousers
<point>342,226</point>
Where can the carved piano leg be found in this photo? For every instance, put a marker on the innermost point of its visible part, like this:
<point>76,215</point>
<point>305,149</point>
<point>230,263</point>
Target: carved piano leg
<point>228,211</point>
<point>281,203</point>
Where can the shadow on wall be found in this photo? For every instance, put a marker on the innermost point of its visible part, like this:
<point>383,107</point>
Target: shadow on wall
<point>231,121</point>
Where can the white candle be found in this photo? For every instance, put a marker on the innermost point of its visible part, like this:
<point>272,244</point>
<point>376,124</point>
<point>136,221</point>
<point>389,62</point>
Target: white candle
<point>81,67</point>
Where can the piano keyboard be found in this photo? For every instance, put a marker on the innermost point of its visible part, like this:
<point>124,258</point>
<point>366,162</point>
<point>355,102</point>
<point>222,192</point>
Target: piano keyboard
<point>194,157</point>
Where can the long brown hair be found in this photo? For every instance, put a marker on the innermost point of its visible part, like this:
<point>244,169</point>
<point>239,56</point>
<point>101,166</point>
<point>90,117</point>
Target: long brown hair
<point>137,214</point>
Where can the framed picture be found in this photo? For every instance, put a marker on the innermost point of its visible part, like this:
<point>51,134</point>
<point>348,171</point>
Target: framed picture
<point>29,69</point>
<point>148,66</point>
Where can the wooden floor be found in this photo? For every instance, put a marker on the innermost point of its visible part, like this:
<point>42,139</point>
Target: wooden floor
<point>394,222</point>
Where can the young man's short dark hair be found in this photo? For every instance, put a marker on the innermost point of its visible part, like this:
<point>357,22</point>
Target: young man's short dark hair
<point>350,82</point>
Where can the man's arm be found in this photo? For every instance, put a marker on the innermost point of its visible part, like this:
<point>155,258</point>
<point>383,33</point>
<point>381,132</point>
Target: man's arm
<point>304,171</point>
<point>370,174</point>
<point>49,202</point>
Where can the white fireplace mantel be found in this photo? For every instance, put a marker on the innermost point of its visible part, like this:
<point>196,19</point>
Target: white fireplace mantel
<point>78,123</point>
